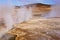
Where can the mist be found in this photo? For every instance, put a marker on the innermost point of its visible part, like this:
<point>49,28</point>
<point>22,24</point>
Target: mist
<point>55,12</point>
<point>10,18</point>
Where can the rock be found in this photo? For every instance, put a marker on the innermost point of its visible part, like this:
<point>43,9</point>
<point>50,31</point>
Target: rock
<point>8,37</point>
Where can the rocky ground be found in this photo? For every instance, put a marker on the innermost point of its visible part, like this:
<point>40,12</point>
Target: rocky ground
<point>40,29</point>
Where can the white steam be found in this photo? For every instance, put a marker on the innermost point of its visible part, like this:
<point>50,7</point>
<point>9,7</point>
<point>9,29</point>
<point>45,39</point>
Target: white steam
<point>55,12</point>
<point>7,12</point>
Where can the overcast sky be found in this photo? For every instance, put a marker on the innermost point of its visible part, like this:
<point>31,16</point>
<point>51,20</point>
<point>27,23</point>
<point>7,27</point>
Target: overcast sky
<point>25,2</point>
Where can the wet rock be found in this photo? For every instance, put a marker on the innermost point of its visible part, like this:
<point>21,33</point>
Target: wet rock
<point>8,37</point>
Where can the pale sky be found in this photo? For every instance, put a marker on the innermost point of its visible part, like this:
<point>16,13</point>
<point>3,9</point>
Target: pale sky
<point>25,2</point>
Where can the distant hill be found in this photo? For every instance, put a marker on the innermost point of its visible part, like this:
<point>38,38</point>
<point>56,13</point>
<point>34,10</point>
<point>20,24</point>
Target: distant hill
<point>38,8</point>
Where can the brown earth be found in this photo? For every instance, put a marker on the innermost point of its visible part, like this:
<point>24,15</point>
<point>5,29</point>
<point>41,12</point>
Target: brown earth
<point>40,29</point>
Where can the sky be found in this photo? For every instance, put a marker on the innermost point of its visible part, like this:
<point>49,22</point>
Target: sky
<point>25,2</point>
